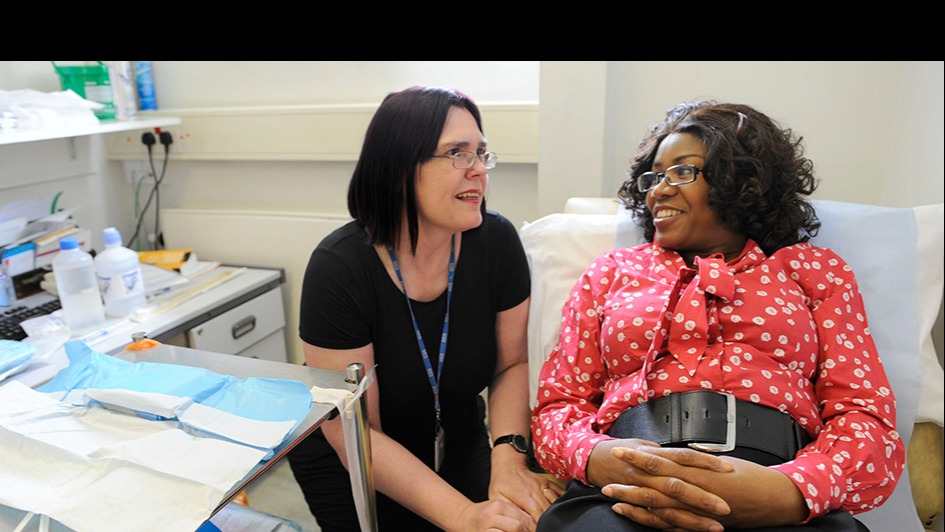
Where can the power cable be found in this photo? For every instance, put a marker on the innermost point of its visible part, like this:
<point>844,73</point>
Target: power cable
<point>149,140</point>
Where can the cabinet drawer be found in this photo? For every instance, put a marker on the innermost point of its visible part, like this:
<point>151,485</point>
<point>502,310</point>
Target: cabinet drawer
<point>239,328</point>
<point>271,348</point>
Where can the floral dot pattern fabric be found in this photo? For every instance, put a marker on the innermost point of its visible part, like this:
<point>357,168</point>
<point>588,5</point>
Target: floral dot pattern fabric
<point>787,331</point>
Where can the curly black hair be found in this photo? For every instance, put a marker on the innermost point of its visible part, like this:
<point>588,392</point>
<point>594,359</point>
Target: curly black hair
<point>756,171</point>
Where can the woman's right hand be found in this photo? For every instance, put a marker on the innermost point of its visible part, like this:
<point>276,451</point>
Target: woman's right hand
<point>495,515</point>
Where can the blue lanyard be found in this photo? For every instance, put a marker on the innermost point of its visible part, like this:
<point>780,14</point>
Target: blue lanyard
<point>434,380</point>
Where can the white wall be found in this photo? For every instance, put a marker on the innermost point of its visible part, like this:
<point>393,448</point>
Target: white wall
<point>864,123</point>
<point>873,129</point>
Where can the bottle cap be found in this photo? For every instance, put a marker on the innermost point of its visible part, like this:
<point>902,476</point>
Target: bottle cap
<point>111,236</point>
<point>68,243</point>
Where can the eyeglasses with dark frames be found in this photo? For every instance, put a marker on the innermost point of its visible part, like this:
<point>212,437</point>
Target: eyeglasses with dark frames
<point>679,174</point>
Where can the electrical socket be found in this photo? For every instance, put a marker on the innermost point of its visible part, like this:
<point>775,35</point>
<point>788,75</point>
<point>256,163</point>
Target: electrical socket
<point>136,170</point>
<point>129,139</point>
<point>184,142</point>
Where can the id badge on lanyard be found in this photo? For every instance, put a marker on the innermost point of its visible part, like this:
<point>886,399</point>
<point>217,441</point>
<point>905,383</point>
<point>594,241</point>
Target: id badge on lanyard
<point>439,447</point>
<point>439,438</point>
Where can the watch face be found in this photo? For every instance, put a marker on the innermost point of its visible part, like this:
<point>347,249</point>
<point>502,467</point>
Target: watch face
<point>520,443</point>
<point>517,441</point>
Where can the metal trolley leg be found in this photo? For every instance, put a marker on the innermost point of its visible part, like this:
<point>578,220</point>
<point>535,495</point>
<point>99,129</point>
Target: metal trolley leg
<point>354,374</point>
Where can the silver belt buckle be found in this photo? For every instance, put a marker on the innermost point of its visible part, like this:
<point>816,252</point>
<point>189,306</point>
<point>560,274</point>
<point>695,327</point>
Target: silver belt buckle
<point>729,444</point>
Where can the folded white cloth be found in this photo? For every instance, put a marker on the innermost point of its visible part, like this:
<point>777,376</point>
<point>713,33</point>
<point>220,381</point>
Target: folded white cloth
<point>111,445</point>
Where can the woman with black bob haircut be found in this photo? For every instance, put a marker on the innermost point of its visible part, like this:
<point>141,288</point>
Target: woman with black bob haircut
<point>431,289</point>
<point>751,163</point>
<point>722,374</point>
<point>404,133</point>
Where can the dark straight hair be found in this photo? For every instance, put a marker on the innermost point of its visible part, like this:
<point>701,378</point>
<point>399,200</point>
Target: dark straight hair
<point>403,134</point>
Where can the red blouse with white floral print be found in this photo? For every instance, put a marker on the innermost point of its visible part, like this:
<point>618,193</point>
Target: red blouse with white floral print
<point>787,331</point>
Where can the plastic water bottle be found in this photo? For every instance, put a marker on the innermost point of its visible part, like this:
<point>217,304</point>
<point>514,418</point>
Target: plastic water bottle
<point>144,78</point>
<point>77,285</point>
<point>119,276</point>
<point>124,91</point>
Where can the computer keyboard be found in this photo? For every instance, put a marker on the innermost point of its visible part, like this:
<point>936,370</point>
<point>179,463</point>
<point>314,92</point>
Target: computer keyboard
<point>11,318</point>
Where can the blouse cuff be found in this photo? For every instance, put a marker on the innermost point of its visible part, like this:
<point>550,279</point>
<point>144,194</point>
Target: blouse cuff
<point>583,449</point>
<point>810,473</point>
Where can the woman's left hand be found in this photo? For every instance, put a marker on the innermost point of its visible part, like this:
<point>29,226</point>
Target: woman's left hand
<point>512,481</point>
<point>755,495</point>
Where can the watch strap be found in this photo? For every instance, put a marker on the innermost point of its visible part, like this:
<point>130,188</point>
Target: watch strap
<point>517,441</point>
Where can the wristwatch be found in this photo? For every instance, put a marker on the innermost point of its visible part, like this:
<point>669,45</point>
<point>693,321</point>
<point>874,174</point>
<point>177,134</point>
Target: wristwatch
<point>517,441</point>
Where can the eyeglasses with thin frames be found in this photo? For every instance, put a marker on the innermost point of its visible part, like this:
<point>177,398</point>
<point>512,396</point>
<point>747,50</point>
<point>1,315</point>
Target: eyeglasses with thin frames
<point>463,160</point>
<point>679,174</point>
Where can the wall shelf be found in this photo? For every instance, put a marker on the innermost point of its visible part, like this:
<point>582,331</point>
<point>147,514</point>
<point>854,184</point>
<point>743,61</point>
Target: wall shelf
<point>104,126</point>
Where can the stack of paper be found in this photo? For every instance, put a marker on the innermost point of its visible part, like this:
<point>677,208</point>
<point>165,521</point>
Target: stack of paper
<point>30,230</point>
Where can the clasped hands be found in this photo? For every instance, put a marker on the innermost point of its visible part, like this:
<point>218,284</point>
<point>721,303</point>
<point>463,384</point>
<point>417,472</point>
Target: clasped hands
<point>684,489</point>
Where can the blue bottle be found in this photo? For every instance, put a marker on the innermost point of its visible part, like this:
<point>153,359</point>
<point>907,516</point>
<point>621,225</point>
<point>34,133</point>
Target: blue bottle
<point>145,80</point>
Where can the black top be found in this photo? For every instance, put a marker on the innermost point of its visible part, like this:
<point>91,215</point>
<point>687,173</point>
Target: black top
<point>349,300</point>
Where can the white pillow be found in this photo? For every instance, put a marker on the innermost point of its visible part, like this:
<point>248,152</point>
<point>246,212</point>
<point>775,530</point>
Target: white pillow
<point>880,244</point>
<point>559,248</point>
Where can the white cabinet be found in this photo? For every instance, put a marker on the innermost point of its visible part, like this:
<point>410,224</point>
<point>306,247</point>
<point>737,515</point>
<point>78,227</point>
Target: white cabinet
<point>255,329</point>
<point>243,316</point>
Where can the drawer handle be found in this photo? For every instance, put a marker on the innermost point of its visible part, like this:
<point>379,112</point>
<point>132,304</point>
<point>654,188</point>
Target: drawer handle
<point>244,326</point>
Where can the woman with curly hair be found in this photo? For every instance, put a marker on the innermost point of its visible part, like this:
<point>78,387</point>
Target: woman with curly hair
<point>721,376</point>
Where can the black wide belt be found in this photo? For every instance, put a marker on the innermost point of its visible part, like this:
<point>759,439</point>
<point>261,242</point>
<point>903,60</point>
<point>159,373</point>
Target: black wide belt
<point>713,422</point>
